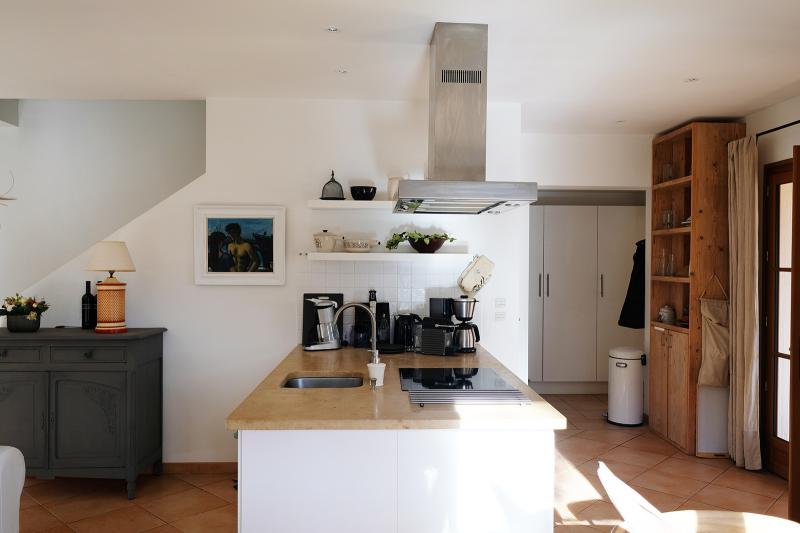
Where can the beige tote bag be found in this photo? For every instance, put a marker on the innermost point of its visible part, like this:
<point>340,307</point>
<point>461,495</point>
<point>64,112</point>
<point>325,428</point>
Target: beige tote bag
<point>714,368</point>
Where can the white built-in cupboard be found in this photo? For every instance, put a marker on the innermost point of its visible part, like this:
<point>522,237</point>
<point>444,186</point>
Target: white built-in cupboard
<point>581,259</point>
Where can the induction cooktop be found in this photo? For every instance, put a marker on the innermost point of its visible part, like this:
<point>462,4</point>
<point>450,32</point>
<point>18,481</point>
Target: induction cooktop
<point>479,379</point>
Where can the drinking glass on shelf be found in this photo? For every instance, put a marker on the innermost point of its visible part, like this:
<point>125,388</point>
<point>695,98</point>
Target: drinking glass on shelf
<point>668,219</point>
<point>670,265</point>
<point>661,263</point>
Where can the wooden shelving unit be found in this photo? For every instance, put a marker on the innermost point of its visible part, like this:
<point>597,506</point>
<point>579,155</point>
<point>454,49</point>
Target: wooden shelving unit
<point>697,153</point>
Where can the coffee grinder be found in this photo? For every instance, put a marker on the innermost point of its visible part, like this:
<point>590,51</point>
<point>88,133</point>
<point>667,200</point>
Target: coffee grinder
<point>319,330</point>
<point>466,334</point>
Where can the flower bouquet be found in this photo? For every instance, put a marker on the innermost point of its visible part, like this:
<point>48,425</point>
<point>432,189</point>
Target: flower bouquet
<point>23,314</point>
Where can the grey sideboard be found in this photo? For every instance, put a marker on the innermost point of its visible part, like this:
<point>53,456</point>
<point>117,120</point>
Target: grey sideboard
<point>81,404</point>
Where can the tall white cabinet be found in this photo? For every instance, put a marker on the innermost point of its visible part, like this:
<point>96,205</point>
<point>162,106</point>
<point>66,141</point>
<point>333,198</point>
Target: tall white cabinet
<point>581,261</point>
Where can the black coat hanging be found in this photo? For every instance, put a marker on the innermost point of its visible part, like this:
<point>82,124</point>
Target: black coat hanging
<point>632,314</point>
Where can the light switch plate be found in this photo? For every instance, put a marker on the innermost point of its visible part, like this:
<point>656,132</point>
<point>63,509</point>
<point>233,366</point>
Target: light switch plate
<point>499,315</point>
<point>499,302</point>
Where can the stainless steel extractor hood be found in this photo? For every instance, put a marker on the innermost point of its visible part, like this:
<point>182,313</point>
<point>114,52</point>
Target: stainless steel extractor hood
<point>456,181</point>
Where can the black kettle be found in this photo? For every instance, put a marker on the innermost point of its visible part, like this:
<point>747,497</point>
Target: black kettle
<point>404,330</point>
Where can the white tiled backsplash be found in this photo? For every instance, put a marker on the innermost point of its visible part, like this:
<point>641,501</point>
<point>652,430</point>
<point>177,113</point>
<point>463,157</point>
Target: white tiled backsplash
<point>407,286</point>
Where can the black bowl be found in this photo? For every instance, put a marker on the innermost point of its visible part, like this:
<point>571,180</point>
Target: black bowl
<point>363,192</point>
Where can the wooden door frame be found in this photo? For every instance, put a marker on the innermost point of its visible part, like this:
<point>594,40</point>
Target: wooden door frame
<point>775,453</point>
<point>794,360</point>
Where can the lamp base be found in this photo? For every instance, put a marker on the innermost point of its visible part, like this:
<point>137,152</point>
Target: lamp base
<point>111,307</point>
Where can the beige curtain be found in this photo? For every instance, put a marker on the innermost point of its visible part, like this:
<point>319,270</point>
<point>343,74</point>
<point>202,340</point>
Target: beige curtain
<point>743,223</point>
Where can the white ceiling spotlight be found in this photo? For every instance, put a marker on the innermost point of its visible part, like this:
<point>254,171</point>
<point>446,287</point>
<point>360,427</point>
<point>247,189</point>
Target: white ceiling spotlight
<point>691,80</point>
<point>342,71</point>
<point>333,29</point>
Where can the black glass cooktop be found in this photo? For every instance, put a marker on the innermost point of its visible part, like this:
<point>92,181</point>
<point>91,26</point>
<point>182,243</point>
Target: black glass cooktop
<point>484,379</point>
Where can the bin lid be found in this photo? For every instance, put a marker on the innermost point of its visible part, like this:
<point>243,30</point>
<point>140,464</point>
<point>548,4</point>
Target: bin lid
<point>626,352</point>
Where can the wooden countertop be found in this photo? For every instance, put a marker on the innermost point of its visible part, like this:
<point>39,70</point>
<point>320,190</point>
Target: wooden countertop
<point>270,406</point>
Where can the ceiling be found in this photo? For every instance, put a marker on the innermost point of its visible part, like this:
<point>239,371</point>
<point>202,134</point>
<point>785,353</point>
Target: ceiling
<point>577,66</point>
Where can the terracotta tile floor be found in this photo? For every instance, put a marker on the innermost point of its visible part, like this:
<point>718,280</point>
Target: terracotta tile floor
<point>192,503</point>
<point>669,479</point>
<point>202,503</point>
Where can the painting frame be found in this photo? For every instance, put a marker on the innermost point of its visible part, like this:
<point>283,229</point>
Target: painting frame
<point>207,214</point>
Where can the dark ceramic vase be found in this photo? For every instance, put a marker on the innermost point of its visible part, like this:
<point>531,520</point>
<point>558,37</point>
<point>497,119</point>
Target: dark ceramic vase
<point>429,248</point>
<point>21,324</point>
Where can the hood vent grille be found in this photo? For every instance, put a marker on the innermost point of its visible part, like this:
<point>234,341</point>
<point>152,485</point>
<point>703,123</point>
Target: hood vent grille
<point>461,76</point>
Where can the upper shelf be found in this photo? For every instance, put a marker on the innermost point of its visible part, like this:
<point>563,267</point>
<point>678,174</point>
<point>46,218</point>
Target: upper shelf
<point>383,256</point>
<point>685,181</point>
<point>672,231</point>
<point>386,205</point>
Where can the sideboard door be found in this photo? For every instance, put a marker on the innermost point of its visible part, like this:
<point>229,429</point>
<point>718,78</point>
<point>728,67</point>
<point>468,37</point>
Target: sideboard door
<point>23,415</point>
<point>87,411</point>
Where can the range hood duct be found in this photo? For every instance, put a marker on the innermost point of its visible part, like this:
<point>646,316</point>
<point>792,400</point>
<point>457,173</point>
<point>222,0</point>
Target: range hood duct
<point>456,181</point>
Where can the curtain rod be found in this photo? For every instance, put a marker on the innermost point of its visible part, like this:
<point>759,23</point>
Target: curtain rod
<point>777,128</point>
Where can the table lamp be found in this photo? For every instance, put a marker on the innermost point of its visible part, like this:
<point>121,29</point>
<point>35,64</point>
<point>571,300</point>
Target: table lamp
<point>111,256</point>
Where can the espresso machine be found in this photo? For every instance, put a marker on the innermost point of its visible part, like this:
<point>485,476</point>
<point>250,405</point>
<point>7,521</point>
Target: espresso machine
<point>319,330</point>
<point>466,334</point>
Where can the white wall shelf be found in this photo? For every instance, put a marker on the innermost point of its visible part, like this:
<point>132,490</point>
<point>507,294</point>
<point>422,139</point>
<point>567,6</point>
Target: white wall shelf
<point>385,205</point>
<point>383,256</point>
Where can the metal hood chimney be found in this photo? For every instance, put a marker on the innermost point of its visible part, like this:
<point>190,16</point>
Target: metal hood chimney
<point>456,181</point>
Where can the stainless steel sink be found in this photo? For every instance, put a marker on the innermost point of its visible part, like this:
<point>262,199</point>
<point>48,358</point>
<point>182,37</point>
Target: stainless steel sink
<point>323,382</point>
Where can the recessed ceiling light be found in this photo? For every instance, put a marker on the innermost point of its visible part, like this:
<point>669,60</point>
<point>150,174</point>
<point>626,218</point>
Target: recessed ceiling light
<point>620,121</point>
<point>333,29</point>
<point>691,80</point>
<point>342,70</point>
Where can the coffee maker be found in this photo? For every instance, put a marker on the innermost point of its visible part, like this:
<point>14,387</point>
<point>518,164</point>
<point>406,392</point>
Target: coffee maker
<point>466,334</point>
<point>319,330</point>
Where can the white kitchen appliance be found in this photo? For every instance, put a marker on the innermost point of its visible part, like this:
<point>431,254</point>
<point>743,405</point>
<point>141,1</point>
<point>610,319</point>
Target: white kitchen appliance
<point>625,386</point>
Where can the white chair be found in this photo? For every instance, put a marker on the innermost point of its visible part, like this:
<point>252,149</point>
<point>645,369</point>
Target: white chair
<point>641,517</point>
<point>12,479</point>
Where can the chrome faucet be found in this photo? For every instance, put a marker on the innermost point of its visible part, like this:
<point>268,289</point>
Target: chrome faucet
<point>374,351</point>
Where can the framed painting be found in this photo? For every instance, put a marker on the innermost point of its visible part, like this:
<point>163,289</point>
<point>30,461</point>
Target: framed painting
<point>239,245</point>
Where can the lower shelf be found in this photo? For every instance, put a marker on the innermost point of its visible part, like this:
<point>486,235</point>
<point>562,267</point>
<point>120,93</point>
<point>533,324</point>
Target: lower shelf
<point>385,256</point>
<point>671,327</point>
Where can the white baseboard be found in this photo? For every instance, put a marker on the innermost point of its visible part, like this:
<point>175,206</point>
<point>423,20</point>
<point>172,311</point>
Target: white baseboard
<point>569,387</point>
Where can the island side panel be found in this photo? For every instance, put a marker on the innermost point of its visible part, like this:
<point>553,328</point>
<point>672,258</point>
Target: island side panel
<point>475,481</point>
<point>318,480</point>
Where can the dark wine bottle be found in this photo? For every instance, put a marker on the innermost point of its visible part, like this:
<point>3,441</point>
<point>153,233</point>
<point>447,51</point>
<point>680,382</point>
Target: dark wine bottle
<point>88,308</point>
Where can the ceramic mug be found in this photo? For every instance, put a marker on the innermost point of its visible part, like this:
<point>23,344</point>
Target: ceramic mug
<point>325,242</point>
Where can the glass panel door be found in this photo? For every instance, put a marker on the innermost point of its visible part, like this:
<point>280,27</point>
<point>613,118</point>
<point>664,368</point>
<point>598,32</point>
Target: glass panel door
<point>777,309</point>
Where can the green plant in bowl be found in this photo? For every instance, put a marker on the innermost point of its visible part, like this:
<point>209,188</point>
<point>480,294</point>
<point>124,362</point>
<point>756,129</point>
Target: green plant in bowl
<point>421,242</point>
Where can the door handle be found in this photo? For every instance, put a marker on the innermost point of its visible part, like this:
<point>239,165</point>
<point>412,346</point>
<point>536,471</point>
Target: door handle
<point>601,286</point>
<point>621,365</point>
<point>44,420</point>
<point>548,285</point>
<point>540,284</point>
<point>88,354</point>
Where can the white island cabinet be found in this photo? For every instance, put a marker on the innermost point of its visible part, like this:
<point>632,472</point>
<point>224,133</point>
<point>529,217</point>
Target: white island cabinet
<point>357,460</point>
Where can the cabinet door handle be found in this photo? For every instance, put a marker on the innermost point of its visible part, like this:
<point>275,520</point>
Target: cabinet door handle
<point>52,419</point>
<point>548,285</point>
<point>44,420</point>
<point>3,353</point>
<point>601,286</point>
<point>540,284</point>
<point>88,354</point>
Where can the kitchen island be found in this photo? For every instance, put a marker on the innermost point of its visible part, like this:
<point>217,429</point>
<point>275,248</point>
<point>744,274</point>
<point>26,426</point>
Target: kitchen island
<point>357,459</point>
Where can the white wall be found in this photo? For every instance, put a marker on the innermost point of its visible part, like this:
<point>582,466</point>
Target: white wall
<point>596,161</point>
<point>223,340</point>
<point>82,170</point>
<point>776,146</point>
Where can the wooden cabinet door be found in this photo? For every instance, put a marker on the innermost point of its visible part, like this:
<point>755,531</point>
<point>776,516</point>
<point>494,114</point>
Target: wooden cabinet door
<point>678,400</point>
<point>23,415</point>
<point>619,228</point>
<point>88,419</point>
<point>658,380</point>
<point>570,288</point>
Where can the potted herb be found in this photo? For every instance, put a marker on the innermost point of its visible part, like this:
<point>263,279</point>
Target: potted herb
<point>423,243</point>
<point>23,314</point>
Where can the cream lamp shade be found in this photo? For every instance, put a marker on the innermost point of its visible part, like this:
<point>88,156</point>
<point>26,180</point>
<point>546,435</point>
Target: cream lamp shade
<point>111,256</point>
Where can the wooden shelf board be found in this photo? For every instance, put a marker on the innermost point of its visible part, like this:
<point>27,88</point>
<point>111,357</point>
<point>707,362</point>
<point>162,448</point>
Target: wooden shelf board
<point>674,134</point>
<point>386,205</point>
<point>685,181</point>
<point>671,279</point>
<point>384,256</point>
<point>672,231</point>
<point>671,327</point>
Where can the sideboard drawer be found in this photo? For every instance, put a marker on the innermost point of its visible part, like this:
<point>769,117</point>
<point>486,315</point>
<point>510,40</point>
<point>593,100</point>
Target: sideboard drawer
<point>32,354</point>
<point>86,354</point>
